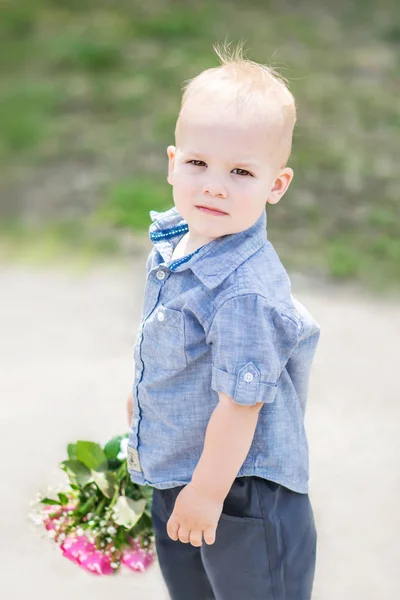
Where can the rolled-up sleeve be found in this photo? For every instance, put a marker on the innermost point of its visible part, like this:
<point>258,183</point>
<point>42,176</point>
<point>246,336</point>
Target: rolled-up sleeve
<point>251,344</point>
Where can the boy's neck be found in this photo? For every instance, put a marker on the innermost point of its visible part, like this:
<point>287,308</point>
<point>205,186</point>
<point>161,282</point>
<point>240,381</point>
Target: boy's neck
<point>187,245</point>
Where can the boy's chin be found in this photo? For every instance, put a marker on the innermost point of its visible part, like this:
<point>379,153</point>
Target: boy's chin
<point>207,230</point>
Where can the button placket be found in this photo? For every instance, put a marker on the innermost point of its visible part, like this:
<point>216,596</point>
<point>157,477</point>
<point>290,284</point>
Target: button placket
<point>138,373</point>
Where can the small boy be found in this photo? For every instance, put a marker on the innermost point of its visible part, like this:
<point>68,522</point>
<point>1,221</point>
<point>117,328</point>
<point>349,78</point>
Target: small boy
<point>223,354</point>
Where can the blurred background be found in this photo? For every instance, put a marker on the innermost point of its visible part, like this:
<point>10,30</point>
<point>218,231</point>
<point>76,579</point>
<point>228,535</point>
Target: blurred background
<point>90,95</point>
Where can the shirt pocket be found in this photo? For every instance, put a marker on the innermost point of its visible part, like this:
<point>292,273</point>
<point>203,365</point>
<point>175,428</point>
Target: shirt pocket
<point>163,343</point>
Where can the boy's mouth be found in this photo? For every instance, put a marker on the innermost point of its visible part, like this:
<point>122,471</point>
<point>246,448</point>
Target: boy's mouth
<point>211,210</point>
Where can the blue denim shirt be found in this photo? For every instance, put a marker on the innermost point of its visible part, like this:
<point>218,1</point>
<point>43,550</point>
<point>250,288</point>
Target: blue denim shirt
<point>221,319</point>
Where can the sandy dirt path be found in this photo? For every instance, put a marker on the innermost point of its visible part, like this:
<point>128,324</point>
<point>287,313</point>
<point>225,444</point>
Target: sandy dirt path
<point>66,367</point>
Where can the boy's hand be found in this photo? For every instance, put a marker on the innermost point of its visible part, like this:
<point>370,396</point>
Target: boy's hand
<point>129,408</point>
<point>195,514</point>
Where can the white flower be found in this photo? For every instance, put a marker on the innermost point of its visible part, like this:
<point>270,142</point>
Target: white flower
<point>123,449</point>
<point>36,519</point>
<point>111,530</point>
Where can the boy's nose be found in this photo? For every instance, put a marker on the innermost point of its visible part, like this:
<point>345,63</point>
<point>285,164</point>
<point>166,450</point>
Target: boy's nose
<point>215,190</point>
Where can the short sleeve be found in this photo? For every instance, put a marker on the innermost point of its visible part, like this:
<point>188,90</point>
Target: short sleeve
<point>251,344</point>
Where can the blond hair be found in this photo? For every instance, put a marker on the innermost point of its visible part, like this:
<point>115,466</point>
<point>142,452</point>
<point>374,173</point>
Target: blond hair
<point>242,83</point>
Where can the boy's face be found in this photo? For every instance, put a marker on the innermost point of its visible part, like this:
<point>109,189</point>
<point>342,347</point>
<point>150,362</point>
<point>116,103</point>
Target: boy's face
<point>228,165</point>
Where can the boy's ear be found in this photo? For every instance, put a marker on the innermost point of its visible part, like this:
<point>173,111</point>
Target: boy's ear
<point>171,162</point>
<point>281,184</point>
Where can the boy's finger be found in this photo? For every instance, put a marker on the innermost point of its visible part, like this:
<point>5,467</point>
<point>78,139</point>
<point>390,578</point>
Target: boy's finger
<point>172,528</point>
<point>196,538</point>
<point>209,536</point>
<point>184,535</point>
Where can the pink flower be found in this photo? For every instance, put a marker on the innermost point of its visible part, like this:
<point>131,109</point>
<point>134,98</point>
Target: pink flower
<point>57,512</point>
<point>137,558</point>
<point>48,521</point>
<point>98,563</point>
<point>50,510</point>
<point>83,553</point>
<point>77,549</point>
<point>50,524</point>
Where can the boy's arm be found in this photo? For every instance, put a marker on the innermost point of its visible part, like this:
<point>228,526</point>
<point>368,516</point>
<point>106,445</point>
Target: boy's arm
<point>228,439</point>
<point>237,350</point>
<point>129,409</point>
<point>198,507</point>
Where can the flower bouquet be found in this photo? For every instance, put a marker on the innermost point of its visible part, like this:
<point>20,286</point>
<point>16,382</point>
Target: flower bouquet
<point>100,519</point>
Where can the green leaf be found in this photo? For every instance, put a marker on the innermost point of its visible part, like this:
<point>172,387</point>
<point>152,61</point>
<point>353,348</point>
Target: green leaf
<point>78,471</point>
<point>50,501</point>
<point>72,451</point>
<point>127,512</point>
<point>106,482</point>
<point>91,455</point>
<point>111,449</point>
<point>147,492</point>
<point>63,498</point>
<point>114,464</point>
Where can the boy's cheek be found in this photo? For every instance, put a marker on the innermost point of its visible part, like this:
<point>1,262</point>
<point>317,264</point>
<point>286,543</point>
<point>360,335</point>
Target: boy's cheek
<point>183,190</point>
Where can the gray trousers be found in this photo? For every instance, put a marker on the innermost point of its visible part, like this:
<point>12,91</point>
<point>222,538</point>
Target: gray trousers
<point>265,547</point>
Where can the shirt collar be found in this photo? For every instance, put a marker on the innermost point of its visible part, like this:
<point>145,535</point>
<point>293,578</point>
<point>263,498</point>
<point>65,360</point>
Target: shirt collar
<point>213,262</point>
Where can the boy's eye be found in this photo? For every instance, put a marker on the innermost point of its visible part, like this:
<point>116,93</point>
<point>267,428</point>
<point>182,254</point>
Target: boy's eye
<point>197,163</point>
<point>242,172</point>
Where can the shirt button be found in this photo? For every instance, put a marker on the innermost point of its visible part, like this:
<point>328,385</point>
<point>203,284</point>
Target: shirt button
<point>160,275</point>
<point>160,316</point>
<point>248,377</point>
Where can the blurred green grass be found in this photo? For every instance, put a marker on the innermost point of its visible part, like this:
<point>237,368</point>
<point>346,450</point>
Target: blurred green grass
<point>97,84</point>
